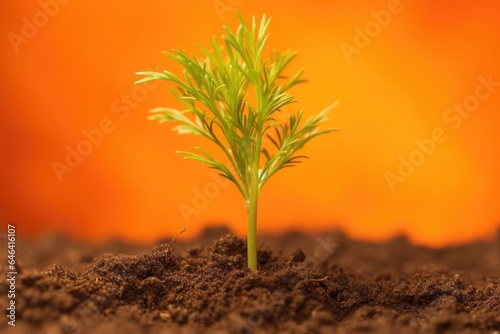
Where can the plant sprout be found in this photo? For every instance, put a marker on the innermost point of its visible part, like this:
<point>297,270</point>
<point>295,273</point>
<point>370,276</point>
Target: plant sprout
<point>234,97</point>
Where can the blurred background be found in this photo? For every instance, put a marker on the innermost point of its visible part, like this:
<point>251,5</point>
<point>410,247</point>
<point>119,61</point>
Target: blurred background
<point>419,90</point>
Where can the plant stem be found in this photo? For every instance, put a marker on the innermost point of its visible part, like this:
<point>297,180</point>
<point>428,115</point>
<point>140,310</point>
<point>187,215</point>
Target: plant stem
<point>252,221</point>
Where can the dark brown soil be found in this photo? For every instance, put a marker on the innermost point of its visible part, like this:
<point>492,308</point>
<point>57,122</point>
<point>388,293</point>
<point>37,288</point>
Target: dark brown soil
<point>322,283</point>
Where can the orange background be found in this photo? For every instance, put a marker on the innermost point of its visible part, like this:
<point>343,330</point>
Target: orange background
<point>77,69</point>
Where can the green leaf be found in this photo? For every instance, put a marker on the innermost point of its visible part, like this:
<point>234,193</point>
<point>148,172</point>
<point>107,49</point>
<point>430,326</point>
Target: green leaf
<point>231,91</point>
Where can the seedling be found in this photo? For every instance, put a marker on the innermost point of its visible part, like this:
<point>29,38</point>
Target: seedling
<point>233,97</point>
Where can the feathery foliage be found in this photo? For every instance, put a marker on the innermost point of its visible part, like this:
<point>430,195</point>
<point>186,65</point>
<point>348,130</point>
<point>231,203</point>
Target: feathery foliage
<point>234,97</point>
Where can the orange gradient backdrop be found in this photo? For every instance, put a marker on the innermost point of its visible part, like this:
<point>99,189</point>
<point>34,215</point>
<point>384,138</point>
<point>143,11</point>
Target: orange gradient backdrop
<point>73,70</point>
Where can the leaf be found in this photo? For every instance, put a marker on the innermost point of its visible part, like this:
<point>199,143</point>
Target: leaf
<point>231,92</point>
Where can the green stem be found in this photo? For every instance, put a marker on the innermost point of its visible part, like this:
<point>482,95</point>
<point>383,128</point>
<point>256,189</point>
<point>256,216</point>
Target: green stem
<point>252,221</point>
<point>253,198</point>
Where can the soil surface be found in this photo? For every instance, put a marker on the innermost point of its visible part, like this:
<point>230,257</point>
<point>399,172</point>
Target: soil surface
<point>322,283</point>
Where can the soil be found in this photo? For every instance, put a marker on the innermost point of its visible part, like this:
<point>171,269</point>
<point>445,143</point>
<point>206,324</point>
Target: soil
<point>324,283</point>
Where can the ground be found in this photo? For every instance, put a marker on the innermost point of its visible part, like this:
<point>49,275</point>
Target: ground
<point>323,283</point>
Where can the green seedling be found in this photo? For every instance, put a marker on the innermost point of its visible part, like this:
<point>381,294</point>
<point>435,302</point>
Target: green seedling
<point>234,96</point>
